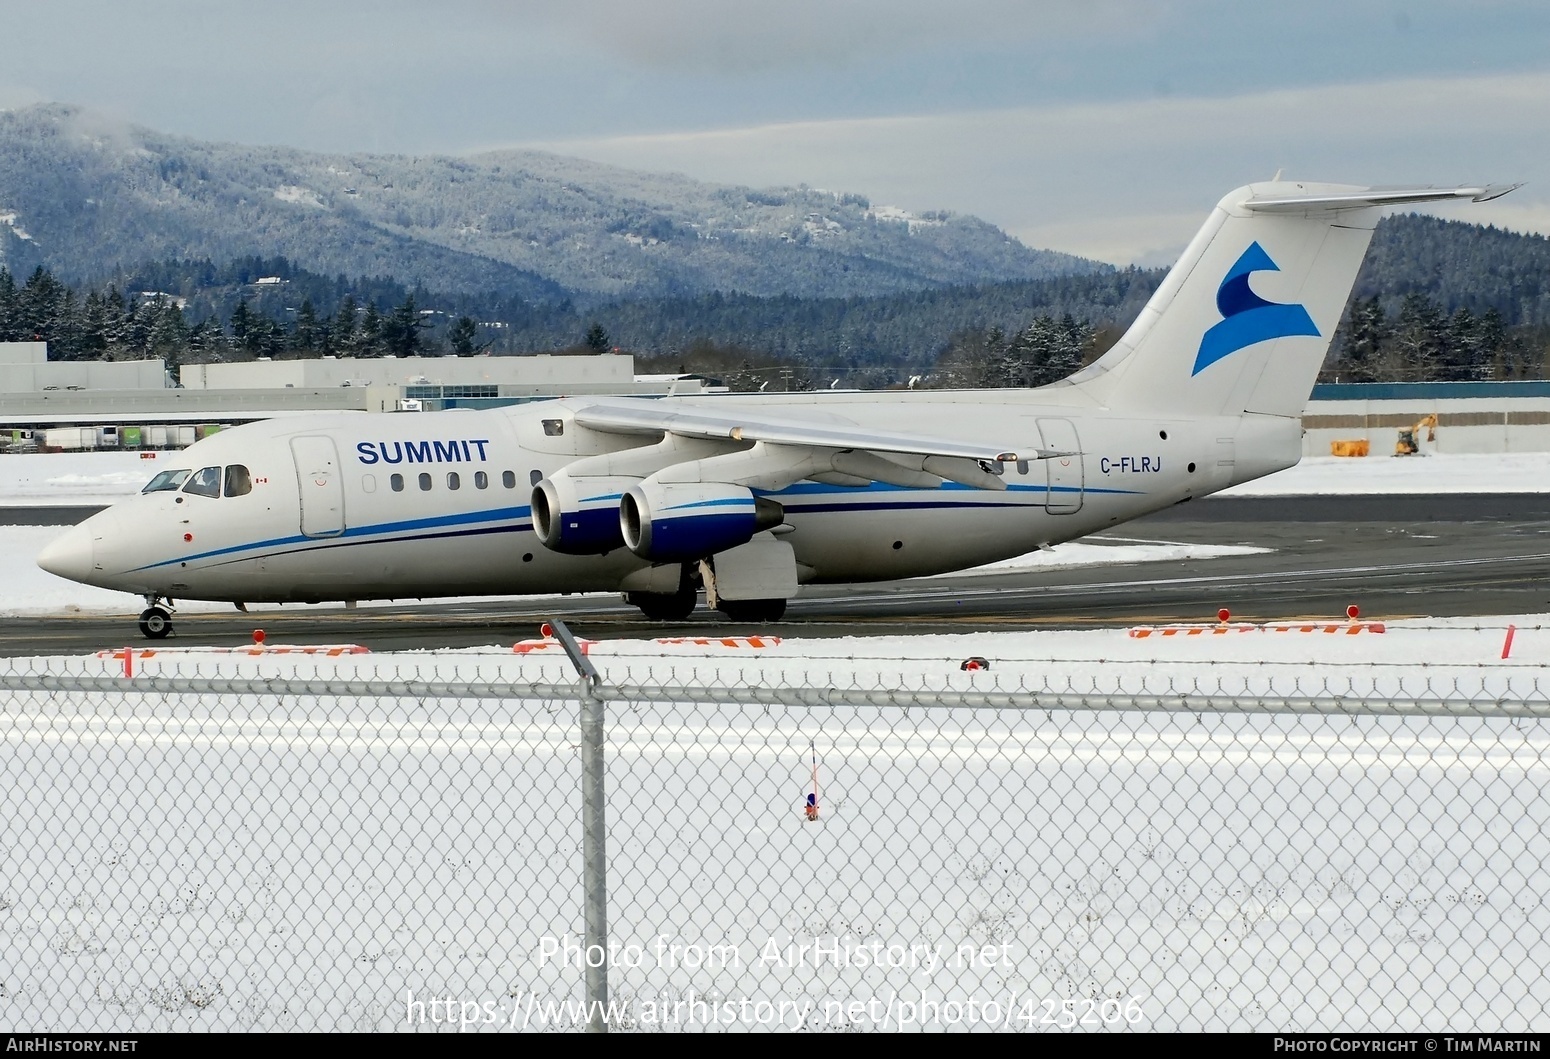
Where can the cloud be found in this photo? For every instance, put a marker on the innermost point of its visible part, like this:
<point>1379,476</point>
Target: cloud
<point>753,35</point>
<point>14,97</point>
<point>1138,176</point>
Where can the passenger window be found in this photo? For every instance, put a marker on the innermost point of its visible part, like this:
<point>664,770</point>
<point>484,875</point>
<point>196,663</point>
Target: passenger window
<point>509,479</point>
<point>238,481</point>
<point>425,481</point>
<point>554,427</point>
<point>166,481</point>
<point>453,480</point>
<point>205,482</point>
<point>534,477</point>
<point>1022,466</point>
<point>368,483</point>
<point>481,480</point>
<point>397,482</point>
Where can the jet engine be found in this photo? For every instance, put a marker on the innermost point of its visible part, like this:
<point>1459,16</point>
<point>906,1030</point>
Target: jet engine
<point>579,516</point>
<point>679,522</point>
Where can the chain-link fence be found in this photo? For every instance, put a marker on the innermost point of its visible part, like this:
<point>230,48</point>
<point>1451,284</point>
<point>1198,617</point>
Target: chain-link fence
<point>391,844</point>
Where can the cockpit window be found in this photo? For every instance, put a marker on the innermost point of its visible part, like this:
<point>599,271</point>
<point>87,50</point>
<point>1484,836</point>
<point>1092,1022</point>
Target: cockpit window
<point>166,481</point>
<point>238,481</point>
<point>205,482</point>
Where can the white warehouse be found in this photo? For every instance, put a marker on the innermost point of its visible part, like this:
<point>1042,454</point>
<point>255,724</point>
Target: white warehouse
<point>444,379</point>
<point>25,368</point>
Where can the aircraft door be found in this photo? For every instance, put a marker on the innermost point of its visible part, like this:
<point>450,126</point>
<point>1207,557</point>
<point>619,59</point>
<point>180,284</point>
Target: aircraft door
<point>1065,472</point>
<point>320,485</point>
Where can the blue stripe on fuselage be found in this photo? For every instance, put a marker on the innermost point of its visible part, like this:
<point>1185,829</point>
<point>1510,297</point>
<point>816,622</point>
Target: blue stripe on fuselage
<point>461,519</point>
<point>798,492</point>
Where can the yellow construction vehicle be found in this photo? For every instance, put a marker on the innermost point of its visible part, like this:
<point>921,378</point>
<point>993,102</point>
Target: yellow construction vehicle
<point>1408,445</point>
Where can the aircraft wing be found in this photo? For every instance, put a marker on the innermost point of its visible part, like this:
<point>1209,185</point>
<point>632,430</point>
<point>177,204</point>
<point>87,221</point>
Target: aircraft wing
<point>650,418</point>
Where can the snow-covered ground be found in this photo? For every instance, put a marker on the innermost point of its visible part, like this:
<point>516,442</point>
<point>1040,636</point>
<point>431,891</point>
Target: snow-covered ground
<point>1509,472</point>
<point>65,479</point>
<point>279,861</point>
<point>44,479</point>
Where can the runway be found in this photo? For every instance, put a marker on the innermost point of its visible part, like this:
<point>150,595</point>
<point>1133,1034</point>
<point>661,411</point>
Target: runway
<point>1394,556</point>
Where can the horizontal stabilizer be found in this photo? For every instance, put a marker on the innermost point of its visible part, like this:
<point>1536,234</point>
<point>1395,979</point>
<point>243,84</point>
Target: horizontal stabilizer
<point>1355,200</point>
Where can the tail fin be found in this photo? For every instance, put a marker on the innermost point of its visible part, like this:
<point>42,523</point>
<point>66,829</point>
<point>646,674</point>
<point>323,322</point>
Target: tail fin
<point>1210,342</point>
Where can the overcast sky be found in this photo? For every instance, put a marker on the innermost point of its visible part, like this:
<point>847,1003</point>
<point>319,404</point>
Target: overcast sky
<point>1101,127</point>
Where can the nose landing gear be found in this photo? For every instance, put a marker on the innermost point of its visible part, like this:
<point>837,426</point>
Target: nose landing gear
<point>156,621</point>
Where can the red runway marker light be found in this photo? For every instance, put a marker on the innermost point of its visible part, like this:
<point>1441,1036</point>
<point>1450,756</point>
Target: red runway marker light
<point>546,630</point>
<point>1223,614</point>
<point>258,635</point>
<point>1353,612</point>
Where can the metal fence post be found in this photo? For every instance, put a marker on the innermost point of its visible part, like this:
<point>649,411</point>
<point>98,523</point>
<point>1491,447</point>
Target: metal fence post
<point>594,854</point>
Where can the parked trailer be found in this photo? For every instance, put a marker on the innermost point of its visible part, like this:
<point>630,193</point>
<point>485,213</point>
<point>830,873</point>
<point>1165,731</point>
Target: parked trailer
<point>17,440</point>
<point>70,439</point>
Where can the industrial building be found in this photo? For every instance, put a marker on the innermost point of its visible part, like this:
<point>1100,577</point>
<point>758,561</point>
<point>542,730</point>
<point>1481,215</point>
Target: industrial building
<point>108,403</point>
<point>118,403</point>
<point>25,368</point>
<point>448,382</point>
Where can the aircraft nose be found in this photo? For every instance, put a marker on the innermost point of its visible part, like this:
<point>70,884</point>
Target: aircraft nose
<point>69,555</point>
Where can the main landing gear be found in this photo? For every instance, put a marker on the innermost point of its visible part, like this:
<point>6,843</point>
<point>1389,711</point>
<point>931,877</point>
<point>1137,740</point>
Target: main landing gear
<point>750,569</point>
<point>156,621</point>
<point>667,606</point>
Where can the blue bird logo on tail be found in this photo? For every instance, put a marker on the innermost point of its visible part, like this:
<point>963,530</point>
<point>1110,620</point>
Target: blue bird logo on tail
<point>1246,317</point>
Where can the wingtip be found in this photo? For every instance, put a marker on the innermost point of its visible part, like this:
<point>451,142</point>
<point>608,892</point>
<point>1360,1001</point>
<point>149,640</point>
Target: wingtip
<point>1495,191</point>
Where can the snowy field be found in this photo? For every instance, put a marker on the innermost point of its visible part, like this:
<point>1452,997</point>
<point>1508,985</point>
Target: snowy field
<point>281,861</point>
<point>1510,472</point>
<point>288,861</point>
<point>44,479</point>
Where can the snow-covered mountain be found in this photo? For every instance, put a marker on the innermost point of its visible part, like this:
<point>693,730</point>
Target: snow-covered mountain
<point>88,196</point>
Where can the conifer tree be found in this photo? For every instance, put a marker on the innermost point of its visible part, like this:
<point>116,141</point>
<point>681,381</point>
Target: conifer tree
<point>462,336</point>
<point>368,340</point>
<point>401,330</point>
<point>341,335</point>
<point>10,323</point>
<point>307,334</point>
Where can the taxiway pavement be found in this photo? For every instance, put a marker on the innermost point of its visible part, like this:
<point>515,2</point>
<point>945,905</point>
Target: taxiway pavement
<point>1393,556</point>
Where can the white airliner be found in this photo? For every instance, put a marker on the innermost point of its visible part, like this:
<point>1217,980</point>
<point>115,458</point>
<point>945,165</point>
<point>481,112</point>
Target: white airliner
<point>750,496</point>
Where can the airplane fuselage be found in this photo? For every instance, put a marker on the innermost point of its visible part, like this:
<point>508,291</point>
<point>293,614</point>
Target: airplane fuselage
<point>419,505</point>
